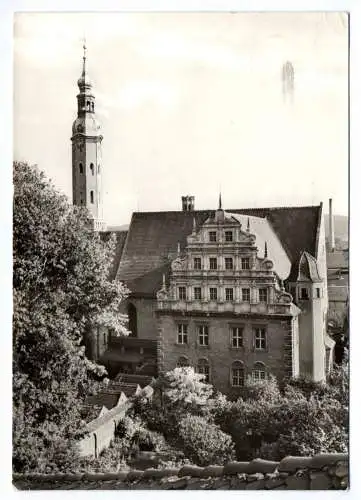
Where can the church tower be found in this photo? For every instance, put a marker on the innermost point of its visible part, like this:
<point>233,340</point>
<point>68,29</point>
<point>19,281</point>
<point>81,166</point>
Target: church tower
<point>86,153</point>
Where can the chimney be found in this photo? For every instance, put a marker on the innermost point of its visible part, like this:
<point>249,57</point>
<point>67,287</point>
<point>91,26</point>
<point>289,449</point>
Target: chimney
<point>331,235</point>
<point>187,203</point>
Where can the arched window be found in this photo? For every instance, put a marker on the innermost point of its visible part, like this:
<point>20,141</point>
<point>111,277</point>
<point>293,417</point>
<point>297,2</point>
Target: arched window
<point>80,168</point>
<point>88,105</point>
<point>92,106</point>
<point>237,374</point>
<point>182,362</point>
<point>91,196</point>
<point>203,368</point>
<point>259,371</point>
<point>132,319</point>
<point>92,168</point>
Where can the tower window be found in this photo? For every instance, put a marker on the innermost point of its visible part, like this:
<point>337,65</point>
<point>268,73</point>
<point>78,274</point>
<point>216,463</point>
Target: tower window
<point>88,105</point>
<point>92,106</point>
<point>92,168</point>
<point>304,294</point>
<point>91,196</point>
<point>80,168</point>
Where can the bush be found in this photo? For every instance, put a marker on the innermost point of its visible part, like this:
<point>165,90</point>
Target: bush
<point>204,443</point>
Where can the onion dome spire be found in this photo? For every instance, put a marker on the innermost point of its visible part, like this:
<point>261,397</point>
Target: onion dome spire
<point>84,82</point>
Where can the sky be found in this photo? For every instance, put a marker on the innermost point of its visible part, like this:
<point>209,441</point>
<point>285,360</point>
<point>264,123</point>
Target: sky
<point>190,103</point>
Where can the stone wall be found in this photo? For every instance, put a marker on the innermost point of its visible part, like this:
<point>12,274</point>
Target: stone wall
<point>220,354</point>
<point>321,472</point>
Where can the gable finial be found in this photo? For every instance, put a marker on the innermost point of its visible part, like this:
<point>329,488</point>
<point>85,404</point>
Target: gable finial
<point>220,202</point>
<point>265,250</point>
<point>248,227</point>
<point>194,225</point>
<point>178,248</point>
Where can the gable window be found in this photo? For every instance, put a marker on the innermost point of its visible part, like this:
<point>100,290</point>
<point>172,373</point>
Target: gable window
<point>203,369</point>
<point>229,294</point>
<point>228,262</point>
<point>203,337</point>
<point>237,374</point>
<point>182,293</point>
<point>263,295</point>
<point>245,263</point>
<point>213,293</point>
<point>197,263</point>
<point>212,236</point>
<point>91,196</point>
<point>183,362</point>
<point>246,295</point>
<point>260,339</point>
<point>92,168</point>
<point>229,235</point>
<point>197,293</point>
<point>80,168</point>
<point>212,263</point>
<point>304,294</point>
<point>259,372</point>
<point>236,337</point>
<point>182,333</point>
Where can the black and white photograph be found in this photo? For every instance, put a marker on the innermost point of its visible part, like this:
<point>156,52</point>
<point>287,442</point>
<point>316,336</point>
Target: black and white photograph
<point>180,240</point>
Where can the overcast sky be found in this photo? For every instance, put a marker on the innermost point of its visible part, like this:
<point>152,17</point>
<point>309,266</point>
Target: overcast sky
<point>190,104</point>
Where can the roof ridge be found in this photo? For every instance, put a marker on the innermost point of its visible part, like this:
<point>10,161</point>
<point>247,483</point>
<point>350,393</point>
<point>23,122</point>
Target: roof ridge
<point>206,210</point>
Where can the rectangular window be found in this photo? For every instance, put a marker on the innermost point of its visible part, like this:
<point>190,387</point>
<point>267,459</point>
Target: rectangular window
<point>212,235</point>
<point>213,263</point>
<point>213,293</point>
<point>263,294</point>
<point>237,377</point>
<point>182,293</point>
<point>182,333</point>
<point>304,294</point>
<point>236,337</point>
<point>203,337</point>
<point>229,235</point>
<point>245,263</point>
<point>228,262</point>
<point>197,263</point>
<point>246,295</point>
<point>197,293</point>
<point>260,339</point>
<point>318,293</point>
<point>258,375</point>
<point>229,294</point>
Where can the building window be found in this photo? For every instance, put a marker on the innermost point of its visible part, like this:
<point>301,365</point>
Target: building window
<point>197,293</point>
<point>203,369</point>
<point>182,333</point>
<point>236,337</point>
<point>212,236</point>
<point>92,168</point>
<point>183,362</point>
<point>213,293</point>
<point>229,235</point>
<point>212,263</point>
<point>245,263</point>
<point>91,196</point>
<point>182,293</point>
<point>318,293</point>
<point>237,374</point>
<point>259,372</point>
<point>93,107</point>
<point>203,338</point>
<point>197,263</point>
<point>229,294</point>
<point>260,339</point>
<point>246,295</point>
<point>263,295</point>
<point>80,168</point>
<point>132,320</point>
<point>228,262</point>
<point>304,294</point>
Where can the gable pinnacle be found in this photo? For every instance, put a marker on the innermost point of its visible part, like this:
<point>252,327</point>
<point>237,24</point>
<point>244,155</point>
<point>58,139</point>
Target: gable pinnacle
<point>265,250</point>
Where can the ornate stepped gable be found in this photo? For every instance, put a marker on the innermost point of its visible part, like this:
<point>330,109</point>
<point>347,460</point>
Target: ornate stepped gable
<point>222,262</point>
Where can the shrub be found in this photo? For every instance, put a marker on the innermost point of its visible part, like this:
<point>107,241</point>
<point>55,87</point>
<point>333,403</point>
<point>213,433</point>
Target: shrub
<point>204,443</point>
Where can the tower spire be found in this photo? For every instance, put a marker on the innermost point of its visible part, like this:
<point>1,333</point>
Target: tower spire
<point>220,202</point>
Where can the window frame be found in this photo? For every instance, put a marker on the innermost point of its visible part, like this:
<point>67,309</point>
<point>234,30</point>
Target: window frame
<point>203,364</point>
<point>245,260</point>
<point>195,292</point>
<point>178,365</point>
<point>226,236</point>
<point>239,367</point>
<point>227,266</point>
<point>212,289</point>
<point>182,336</point>
<point>248,290</point>
<point>259,368</point>
<point>260,292</point>
<point>238,337</point>
<point>180,295</point>
<point>213,238</point>
<point>203,333</point>
<point>305,296</point>
<point>229,294</point>
<point>213,264</point>
<point>197,263</point>
<point>256,338</point>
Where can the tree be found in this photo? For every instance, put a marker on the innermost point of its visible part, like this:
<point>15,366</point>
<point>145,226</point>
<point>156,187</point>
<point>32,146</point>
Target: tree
<point>61,293</point>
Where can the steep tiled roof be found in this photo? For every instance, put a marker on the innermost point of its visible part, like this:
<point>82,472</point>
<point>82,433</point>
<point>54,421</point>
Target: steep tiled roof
<point>153,238</point>
<point>321,472</point>
<point>120,241</point>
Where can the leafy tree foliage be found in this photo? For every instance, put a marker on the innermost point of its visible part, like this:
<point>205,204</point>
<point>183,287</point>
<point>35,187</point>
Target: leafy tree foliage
<point>61,293</point>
